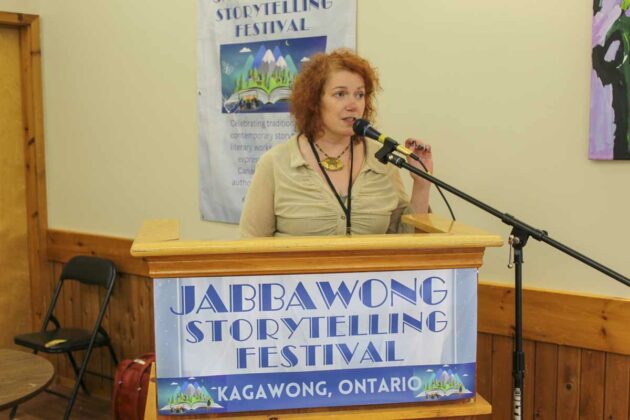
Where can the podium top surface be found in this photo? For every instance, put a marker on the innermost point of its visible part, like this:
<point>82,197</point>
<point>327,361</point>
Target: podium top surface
<point>160,238</point>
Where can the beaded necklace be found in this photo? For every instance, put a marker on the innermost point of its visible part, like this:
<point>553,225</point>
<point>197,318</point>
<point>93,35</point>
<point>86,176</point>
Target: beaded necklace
<point>332,163</point>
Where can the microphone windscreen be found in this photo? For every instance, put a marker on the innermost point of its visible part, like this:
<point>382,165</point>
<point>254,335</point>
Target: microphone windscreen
<point>360,126</point>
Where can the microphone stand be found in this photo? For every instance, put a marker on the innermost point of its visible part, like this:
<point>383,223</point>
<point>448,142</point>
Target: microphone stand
<point>521,232</point>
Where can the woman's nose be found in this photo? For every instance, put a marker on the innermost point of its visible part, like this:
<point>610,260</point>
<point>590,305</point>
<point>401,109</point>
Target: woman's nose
<point>352,104</point>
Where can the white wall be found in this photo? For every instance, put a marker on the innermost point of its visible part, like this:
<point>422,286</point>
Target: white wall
<point>500,89</point>
<point>19,6</point>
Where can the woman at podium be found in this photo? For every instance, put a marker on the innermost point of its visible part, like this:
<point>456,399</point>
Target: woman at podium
<point>325,180</point>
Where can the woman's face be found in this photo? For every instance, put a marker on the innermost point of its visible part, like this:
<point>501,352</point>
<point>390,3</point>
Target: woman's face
<point>343,100</point>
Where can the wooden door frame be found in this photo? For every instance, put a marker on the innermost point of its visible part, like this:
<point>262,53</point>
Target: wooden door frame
<point>34,161</point>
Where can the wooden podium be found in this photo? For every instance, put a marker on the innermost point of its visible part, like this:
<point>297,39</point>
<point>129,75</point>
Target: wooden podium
<point>440,243</point>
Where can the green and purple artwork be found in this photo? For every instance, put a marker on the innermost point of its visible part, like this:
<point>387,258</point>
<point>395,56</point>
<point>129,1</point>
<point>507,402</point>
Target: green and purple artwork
<point>609,137</point>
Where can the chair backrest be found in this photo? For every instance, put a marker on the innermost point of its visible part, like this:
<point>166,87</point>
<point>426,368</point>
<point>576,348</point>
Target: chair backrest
<point>89,270</point>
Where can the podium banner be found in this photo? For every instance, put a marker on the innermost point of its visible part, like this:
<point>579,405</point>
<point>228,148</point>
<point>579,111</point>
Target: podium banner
<point>248,53</point>
<point>248,343</point>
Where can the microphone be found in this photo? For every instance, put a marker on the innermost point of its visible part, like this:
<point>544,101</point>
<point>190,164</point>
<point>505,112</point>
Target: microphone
<point>364,128</point>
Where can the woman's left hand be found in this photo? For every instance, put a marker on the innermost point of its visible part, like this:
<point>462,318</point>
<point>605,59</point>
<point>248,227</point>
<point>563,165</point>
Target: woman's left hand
<point>423,151</point>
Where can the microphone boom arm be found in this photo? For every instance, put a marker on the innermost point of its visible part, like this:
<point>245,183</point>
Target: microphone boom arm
<point>385,155</point>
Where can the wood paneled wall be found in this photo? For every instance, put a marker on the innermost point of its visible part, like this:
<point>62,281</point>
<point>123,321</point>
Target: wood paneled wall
<point>561,382</point>
<point>577,347</point>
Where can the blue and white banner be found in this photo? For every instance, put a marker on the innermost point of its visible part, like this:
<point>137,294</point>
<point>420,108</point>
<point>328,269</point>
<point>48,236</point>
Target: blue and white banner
<point>230,344</point>
<point>249,52</point>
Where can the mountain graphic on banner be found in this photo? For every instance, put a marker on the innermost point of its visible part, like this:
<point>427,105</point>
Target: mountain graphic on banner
<point>443,384</point>
<point>268,64</point>
<point>190,396</point>
<point>265,78</point>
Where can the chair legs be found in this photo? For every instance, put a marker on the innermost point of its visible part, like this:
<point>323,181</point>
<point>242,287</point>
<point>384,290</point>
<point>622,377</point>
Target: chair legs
<point>79,382</point>
<point>76,373</point>
<point>79,373</point>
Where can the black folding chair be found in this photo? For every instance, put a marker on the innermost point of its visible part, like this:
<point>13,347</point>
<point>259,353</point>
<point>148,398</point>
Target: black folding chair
<point>89,271</point>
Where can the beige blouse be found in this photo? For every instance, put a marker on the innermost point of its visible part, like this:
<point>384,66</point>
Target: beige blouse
<point>287,197</point>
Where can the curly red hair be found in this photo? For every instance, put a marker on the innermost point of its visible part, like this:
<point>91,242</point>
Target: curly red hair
<point>308,87</point>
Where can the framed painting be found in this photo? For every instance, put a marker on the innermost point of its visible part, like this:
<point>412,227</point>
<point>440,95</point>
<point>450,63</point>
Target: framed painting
<point>609,137</point>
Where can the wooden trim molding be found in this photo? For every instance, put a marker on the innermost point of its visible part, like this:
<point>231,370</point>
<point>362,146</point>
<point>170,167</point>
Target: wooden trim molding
<point>557,317</point>
<point>34,161</point>
<point>551,316</point>
<point>63,245</point>
<point>17,19</point>
<point>311,263</point>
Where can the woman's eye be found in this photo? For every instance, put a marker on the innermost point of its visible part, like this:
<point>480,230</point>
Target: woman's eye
<point>339,94</point>
<point>361,95</point>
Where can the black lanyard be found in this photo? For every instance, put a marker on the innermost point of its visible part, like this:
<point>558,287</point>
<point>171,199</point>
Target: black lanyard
<point>347,210</point>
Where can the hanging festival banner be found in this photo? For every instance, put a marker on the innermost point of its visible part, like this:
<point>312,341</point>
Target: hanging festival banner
<point>249,53</point>
<point>249,343</point>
